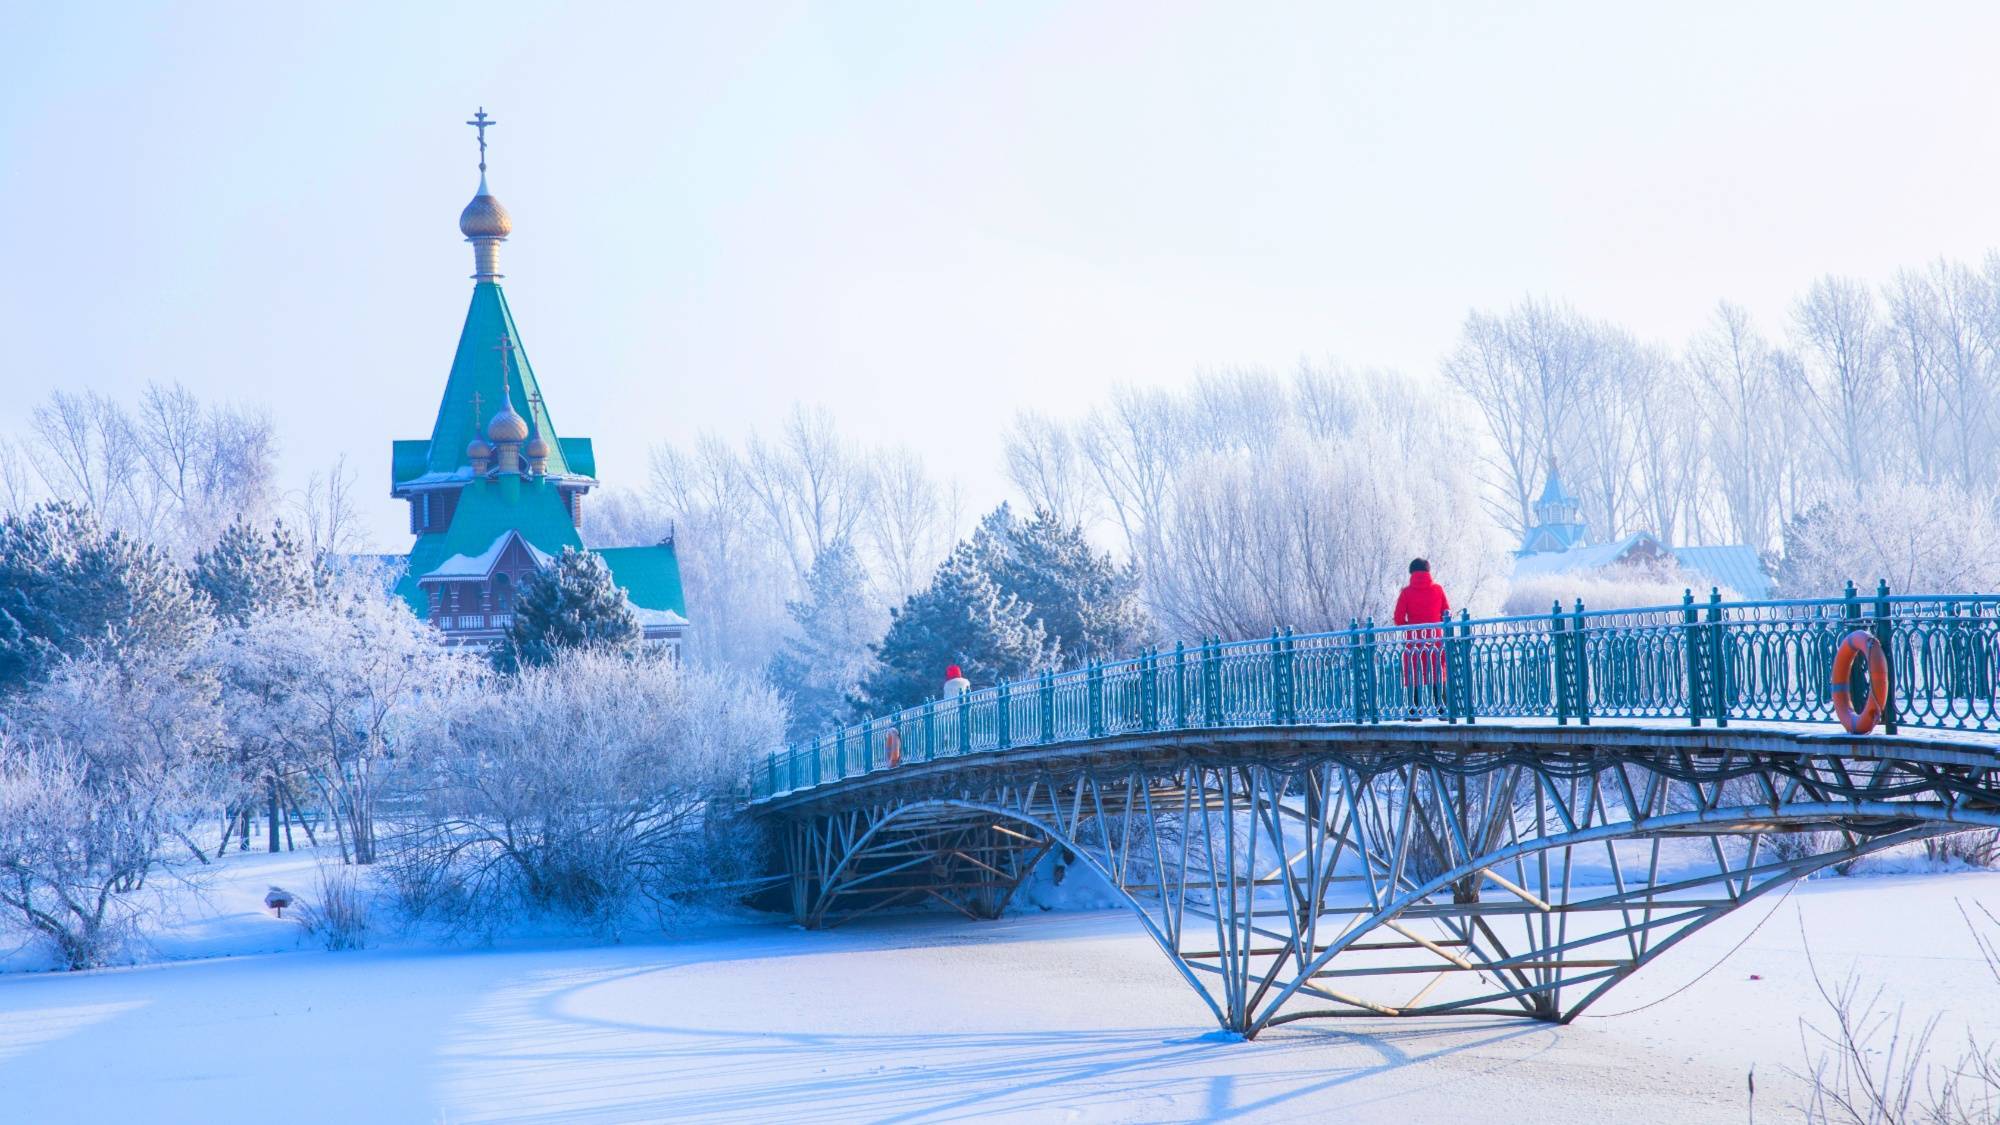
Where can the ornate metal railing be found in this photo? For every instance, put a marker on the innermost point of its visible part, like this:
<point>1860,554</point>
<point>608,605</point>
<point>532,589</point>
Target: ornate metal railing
<point>1712,662</point>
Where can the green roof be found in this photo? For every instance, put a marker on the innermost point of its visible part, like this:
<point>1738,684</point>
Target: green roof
<point>581,458</point>
<point>487,509</point>
<point>650,576</point>
<point>475,370</point>
<point>408,459</point>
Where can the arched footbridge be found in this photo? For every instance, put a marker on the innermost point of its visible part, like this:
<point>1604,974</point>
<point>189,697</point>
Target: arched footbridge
<point>1493,816</point>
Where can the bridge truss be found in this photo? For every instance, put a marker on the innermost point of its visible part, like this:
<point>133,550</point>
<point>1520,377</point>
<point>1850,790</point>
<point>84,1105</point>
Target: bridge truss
<point>1388,870</point>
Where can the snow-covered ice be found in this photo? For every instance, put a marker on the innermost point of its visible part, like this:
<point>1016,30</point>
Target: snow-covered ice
<point>1039,1016</point>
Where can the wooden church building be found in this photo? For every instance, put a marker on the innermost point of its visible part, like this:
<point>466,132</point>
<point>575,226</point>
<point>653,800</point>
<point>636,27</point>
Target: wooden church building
<point>495,492</point>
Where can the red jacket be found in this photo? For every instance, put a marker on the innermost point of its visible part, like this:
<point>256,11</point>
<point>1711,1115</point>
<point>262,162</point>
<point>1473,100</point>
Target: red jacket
<point>1422,602</point>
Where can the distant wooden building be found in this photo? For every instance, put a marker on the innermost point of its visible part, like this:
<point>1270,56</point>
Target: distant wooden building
<point>495,493</point>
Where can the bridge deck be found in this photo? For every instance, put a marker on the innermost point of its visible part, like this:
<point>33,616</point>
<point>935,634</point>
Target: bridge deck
<point>1963,748</point>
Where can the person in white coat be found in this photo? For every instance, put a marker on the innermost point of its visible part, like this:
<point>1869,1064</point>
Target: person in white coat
<point>955,683</point>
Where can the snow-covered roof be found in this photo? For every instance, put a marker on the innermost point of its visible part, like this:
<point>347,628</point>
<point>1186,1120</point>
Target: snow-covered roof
<point>1733,567</point>
<point>461,567</point>
<point>1580,558</point>
<point>661,617</point>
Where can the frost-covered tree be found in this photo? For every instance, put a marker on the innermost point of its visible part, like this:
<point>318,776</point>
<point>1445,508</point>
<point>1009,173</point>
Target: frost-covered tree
<point>1838,334</point>
<point>68,585</point>
<point>249,570</point>
<point>102,767</point>
<point>961,618</point>
<point>1530,371</point>
<point>735,570</point>
<point>169,470</point>
<point>589,784</point>
<point>571,604</point>
<point>1936,540</point>
<point>1305,511</point>
<point>339,687</point>
<point>1747,438</point>
<point>821,665</point>
<point>1087,605</point>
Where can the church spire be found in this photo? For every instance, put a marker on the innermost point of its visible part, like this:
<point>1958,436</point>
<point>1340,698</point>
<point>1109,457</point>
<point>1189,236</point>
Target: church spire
<point>484,222</point>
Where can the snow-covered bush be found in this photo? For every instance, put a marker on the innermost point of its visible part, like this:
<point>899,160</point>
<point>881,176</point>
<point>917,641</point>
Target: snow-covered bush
<point>587,787</point>
<point>1870,1068</point>
<point>337,914</point>
<point>102,769</point>
<point>1977,848</point>
<point>1614,587</point>
<point>70,854</point>
<point>1921,538</point>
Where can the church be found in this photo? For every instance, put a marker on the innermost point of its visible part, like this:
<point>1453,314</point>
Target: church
<point>1559,543</point>
<point>496,493</point>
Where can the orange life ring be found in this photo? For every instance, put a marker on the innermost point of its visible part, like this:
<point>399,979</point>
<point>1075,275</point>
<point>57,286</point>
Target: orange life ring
<point>1859,643</point>
<point>893,743</point>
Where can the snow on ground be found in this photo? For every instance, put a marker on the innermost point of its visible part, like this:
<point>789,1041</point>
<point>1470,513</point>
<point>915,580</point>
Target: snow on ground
<point>1040,1016</point>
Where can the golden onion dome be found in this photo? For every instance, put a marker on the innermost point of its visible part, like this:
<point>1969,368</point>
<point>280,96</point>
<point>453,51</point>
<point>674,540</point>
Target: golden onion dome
<point>537,448</point>
<point>484,217</point>
<point>507,426</point>
<point>478,450</point>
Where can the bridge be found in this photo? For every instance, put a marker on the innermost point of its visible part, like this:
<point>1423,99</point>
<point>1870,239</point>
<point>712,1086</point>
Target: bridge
<point>1503,816</point>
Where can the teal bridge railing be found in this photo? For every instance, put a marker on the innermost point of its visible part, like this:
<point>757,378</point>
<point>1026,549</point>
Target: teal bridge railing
<point>1704,662</point>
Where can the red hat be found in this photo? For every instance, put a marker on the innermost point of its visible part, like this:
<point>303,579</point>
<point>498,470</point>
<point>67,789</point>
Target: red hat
<point>951,672</point>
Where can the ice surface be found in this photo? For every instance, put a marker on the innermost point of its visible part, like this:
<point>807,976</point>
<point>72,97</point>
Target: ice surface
<point>1059,1015</point>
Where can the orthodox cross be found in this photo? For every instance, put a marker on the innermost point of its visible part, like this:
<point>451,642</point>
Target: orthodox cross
<point>506,348</point>
<point>476,399</point>
<point>480,122</point>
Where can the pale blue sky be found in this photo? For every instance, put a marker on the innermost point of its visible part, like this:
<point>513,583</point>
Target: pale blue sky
<point>927,216</point>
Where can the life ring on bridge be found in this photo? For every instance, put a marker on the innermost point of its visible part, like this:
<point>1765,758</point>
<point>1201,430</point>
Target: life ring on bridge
<point>892,743</point>
<point>1860,643</point>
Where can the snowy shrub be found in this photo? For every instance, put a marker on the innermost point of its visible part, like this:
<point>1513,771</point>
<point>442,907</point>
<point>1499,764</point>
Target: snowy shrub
<point>101,768</point>
<point>69,855</point>
<point>1614,587</point>
<point>1869,1068</point>
<point>337,914</point>
<point>1788,846</point>
<point>587,787</point>
<point>1938,541</point>
<point>1978,848</point>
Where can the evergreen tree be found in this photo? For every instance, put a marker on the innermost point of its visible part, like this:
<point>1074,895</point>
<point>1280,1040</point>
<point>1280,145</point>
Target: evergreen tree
<point>961,618</point>
<point>820,667</point>
<point>68,586</point>
<point>1086,603</point>
<point>573,604</point>
<point>249,571</point>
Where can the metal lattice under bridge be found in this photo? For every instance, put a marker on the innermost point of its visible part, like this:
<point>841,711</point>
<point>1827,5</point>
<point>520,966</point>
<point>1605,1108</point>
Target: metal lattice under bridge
<point>1503,816</point>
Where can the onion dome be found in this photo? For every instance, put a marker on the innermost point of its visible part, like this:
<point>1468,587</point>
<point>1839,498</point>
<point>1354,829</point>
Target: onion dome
<point>477,450</point>
<point>537,448</point>
<point>484,217</point>
<point>507,426</point>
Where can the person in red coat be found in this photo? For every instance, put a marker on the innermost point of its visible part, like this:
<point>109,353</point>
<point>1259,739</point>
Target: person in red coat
<point>1423,602</point>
